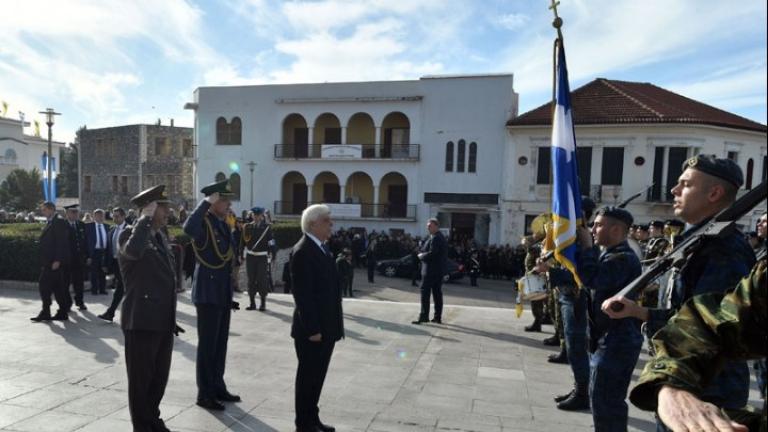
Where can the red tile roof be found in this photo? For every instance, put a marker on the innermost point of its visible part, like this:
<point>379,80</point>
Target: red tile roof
<point>605,101</point>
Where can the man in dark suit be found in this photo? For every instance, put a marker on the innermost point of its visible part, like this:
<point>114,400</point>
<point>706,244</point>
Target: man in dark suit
<point>433,258</point>
<point>317,320</point>
<point>74,272</point>
<point>97,235</point>
<point>111,261</point>
<point>214,247</point>
<point>148,317</point>
<point>54,256</point>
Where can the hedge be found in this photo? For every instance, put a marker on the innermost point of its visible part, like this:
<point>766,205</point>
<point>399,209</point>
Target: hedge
<point>20,246</point>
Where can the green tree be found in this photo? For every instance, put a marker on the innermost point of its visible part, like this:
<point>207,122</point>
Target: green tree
<point>22,190</point>
<point>67,179</point>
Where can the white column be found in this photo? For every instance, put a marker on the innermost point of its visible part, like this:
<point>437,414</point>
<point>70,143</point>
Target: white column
<point>309,194</point>
<point>377,141</point>
<point>664,180</point>
<point>344,135</point>
<point>342,195</point>
<point>376,211</point>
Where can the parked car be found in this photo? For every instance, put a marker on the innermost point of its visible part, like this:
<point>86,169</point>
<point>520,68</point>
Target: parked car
<point>405,266</point>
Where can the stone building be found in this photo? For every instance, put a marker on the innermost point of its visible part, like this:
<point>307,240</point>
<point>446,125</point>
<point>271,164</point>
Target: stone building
<point>118,162</point>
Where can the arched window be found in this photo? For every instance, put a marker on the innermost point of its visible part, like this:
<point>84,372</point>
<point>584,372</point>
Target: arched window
<point>750,170</point>
<point>10,155</point>
<point>236,131</point>
<point>472,157</point>
<point>449,157</point>
<point>220,177</point>
<point>461,155</point>
<point>234,184</point>
<point>222,131</point>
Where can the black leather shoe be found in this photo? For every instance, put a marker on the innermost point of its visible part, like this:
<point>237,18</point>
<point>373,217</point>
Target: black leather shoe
<point>251,307</point>
<point>82,307</point>
<point>228,397</point>
<point>578,401</point>
<point>535,327</point>
<point>210,404</point>
<point>308,429</point>
<point>61,316</point>
<point>564,396</point>
<point>559,358</point>
<point>437,320</point>
<point>551,341</point>
<point>325,427</point>
<point>106,317</point>
<point>42,316</point>
<point>420,321</point>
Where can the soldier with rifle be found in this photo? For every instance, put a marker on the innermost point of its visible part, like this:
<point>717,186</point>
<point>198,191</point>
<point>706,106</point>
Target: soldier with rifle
<point>258,240</point>
<point>705,198</point>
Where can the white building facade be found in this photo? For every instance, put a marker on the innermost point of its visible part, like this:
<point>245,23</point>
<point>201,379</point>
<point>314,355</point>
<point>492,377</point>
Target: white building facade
<point>21,151</point>
<point>386,155</point>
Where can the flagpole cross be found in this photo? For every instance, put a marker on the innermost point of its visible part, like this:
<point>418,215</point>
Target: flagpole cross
<point>558,22</point>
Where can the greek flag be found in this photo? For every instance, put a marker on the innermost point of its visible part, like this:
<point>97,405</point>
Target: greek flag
<point>566,198</point>
<point>44,166</point>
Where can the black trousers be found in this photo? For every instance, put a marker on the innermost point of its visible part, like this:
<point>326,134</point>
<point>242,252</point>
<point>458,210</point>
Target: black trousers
<point>51,283</point>
<point>212,335</point>
<point>98,278</point>
<point>117,296</point>
<point>74,275</point>
<point>371,262</point>
<point>431,286</point>
<point>314,358</point>
<point>148,360</point>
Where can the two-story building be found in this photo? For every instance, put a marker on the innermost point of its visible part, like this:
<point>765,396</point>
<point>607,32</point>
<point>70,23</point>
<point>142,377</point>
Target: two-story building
<point>385,155</point>
<point>21,151</point>
<point>632,139</point>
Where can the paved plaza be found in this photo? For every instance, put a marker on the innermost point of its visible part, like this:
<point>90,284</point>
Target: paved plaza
<point>479,371</point>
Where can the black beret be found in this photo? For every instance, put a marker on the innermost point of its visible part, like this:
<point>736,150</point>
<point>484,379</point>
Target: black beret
<point>153,194</point>
<point>617,213</point>
<point>657,223</point>
<point>221,187</point>
<point>725,169</point>
<point>642,227</point>
<point>675,223</point>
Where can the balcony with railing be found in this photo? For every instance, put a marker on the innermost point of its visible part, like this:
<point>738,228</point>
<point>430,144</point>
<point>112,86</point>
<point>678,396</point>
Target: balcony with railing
<point>352,211</point>
<point>355,152</point>
<point>659,193</point>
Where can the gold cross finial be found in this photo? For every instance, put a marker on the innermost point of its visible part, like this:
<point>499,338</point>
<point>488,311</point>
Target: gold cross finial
<point>553,6</point>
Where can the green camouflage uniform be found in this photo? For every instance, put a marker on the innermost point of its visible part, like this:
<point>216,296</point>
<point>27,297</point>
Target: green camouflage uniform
<point>707,331</point>
<point>655,247</point>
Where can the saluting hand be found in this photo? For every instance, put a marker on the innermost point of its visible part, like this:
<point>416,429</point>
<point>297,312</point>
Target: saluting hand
<point>212,198</point>
<point>149,209</point>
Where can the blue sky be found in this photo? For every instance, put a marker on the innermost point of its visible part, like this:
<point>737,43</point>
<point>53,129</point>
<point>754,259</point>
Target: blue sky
<point>112,62</point>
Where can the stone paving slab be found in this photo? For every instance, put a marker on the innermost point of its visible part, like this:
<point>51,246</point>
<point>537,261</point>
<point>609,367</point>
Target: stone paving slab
<point>478,372</point>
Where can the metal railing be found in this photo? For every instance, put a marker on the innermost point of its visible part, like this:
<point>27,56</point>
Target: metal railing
<point>659,193</point>
<point>377,211</point>
<point>348,151</point>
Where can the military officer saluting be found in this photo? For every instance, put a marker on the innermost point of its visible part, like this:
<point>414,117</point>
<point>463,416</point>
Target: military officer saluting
<point>212,243</point>
<point>148,316</point>
<point>257,236</point>
<point>74,272</point>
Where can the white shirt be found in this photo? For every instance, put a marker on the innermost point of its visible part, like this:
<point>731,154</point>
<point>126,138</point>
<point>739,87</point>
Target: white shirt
<point>101,236</point>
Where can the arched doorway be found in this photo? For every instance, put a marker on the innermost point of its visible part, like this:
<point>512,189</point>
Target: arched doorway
<point>396,135</point>
<point>393,195</point>
<point>361,130</point>
<point>295,137</point>
<point>293,195</point>
<point>326,188</point>
<point>359,190</point>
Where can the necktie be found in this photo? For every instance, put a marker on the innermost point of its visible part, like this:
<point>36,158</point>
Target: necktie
<point>98,236</point>
<point>327,250</point>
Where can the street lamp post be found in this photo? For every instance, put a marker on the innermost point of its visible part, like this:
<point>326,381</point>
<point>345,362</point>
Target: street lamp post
<point>251,167</point>
<point>49,113</point>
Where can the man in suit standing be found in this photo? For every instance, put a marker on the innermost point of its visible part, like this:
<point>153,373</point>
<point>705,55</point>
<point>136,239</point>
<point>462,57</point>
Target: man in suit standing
<point>317,319</point>
<point>112,263</point>
<point>54,255</point>
<point>96,233</point>
<point>433,257</point>
<point>148,317</point>
<point>213,246</point>
<point>74,272</point>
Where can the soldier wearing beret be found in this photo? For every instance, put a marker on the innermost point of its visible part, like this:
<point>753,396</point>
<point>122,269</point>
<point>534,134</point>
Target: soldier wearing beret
<point>706,186</point>
<point>213,245</point>
<point>655,248</point>
<point>690,351</point>
<point>258,239</point>
<point>148,317</point>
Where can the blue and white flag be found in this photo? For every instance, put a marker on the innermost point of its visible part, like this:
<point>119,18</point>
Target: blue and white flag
<point>566,198</point>
<point>44,166</point>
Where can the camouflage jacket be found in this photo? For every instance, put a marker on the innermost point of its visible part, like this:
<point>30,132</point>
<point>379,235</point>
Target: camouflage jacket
<point>656,247</point>
<point>709,330</point>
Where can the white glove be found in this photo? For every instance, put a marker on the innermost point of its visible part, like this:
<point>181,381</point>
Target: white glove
<point>149,209</point>
<point>212,198</point>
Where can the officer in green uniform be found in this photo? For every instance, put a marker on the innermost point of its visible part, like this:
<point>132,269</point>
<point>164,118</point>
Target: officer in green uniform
<point>258,239</point>
<point>691,350</point>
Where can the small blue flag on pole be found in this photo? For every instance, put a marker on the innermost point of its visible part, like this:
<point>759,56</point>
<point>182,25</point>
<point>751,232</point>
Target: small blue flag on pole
<point>566,197</point>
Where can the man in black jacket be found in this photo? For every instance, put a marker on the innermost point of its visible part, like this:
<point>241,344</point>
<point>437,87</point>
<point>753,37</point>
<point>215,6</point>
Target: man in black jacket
<point>317,320</point>
<point>148,316</point>
<point>54,255</point>
<point>433,258</point>
<point>74,272</point>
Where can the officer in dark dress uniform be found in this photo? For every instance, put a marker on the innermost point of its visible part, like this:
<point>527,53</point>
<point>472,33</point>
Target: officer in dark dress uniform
<point>212,292</point>
<point>706,186</point>
<point>74,272</point>
<point>148,317</point>
<point>54,256</point>
<point>258,239</point>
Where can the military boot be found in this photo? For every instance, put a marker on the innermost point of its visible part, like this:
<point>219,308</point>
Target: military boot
<point>563,397</point>
<point>534,327</point>
<point>553,340</point>
<point>578,401</point>
<point>560,358</point>
<point>252,306</point>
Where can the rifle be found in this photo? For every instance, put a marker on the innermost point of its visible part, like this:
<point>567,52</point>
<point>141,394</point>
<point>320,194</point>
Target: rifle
<point>721,225</point>
<point>634,197</point>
